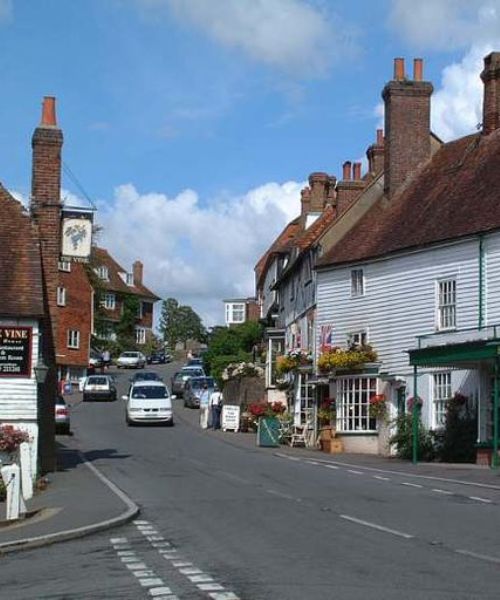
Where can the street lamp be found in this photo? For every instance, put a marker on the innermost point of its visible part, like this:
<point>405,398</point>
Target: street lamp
<point>41,370</point>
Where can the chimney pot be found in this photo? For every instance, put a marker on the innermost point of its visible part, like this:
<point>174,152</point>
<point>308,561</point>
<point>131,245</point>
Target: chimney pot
<point>380,137</point>
<point>399,69</point>
<point>418,69</point>
<point>346,170</point>
<point>49,112</point>
<point>357,171</point>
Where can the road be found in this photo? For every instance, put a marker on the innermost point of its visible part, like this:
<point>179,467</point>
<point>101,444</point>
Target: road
<point>223,519</point>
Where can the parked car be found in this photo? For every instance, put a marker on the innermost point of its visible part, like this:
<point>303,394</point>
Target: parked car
<point>62,417</point>
<point>180,378</point>
<point>99,387</point>
<point>157,358</point>
<point>145,376</point>
<point>131,360</point>
<point>95,360</point>
<point>148,402</point>
<point>195,362</point>
<point>193,389</point>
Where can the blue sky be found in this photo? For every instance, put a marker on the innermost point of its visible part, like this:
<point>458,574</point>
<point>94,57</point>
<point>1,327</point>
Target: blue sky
<point>193,124</point>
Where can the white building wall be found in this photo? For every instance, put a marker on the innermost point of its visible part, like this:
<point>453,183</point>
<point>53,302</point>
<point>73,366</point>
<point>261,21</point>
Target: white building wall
<point>399,302</point>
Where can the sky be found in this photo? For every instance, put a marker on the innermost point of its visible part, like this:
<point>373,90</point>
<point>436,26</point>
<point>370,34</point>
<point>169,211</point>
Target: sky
<point>193,125</point>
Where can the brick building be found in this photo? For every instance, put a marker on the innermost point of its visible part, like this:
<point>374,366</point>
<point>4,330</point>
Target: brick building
<point>240,310</point>
<point>115,284</point>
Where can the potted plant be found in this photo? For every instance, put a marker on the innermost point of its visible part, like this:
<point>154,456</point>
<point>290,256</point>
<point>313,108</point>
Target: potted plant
<point>10,439</point>
<point>377,407</point>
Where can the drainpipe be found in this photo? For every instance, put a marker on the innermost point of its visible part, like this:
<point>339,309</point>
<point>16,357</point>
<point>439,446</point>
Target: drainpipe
<point>414,410</point>
<point>481,284</point>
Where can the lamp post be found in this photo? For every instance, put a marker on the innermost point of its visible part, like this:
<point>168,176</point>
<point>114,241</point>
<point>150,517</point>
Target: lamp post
<point>41,370</point>
<point>415,418</point>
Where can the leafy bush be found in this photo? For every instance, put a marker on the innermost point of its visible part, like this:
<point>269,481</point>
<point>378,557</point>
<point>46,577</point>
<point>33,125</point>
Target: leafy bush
<point>403,439</point>
<point>456,443</point>
<point>3,490</point>
<point>217,364</point>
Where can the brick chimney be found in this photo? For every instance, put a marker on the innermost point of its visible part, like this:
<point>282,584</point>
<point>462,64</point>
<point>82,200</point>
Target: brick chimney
<point>375,154</point>
<point>350,187</point>
<point>491,98</point>
<point>407,124</point>
<point>137,270</point>
<point>319,184</point>
<point>45,208</point>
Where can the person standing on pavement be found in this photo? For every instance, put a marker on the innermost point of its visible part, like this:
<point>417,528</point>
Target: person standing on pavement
<point>216,408</point>
<point>204,408</point>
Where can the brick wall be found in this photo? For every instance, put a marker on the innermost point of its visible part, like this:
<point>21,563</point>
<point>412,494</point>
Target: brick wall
<point>75,315</point>
<point>407,126</point>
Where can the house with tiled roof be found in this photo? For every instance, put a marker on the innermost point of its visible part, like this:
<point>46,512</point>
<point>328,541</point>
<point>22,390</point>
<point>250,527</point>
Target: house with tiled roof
<point>418,275</point>
<point>29,252</point>
<point>114,286</point>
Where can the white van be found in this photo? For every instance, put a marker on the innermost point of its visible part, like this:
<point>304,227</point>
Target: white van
<point>148,402</point>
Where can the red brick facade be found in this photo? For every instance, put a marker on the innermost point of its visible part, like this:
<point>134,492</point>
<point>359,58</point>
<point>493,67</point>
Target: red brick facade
<point>407,125</point>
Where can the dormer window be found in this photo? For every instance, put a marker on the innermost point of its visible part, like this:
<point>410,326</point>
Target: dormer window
<point>102,273</point>
<point>129,279</point>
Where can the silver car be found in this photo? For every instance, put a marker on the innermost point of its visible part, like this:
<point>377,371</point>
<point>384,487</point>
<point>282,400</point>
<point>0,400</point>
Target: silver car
<point>131,360</point>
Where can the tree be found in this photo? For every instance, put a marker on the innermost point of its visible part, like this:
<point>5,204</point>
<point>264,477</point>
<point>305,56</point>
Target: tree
<point>125,328</point>
<point>180,323</point>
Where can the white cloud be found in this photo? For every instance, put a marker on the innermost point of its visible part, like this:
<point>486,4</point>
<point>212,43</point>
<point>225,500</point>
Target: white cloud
<point>291,35</point>
<point>446,24</point>
<point>198,254</point>
<point>5,10</point>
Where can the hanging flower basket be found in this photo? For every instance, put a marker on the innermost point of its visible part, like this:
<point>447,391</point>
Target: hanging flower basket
<point>10,439</point>
<point>292,361</point>
<point>377,407</point>
<point>346,358</point>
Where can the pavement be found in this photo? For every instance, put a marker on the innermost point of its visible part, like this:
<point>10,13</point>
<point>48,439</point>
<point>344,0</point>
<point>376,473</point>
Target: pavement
<point>79,500</point>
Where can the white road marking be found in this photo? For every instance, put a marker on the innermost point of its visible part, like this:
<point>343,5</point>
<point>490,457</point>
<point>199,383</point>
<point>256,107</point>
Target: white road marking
<point>381,478</point>
<point>191,571</point>
<point>378,527</point>
<point>122,547</point>
<point>355,472</point>
<point>129,559</point>
<point>137,566</point>
<point>210,587</point>
<point>159,591</point>
<point>202,578</point>
<point>223,596</point>
<point>438,491</point>
<point>155,538</point>
<point>312,462</point>
<point>161,545</point>
<point>280,494</point>
<point>118,540</point>
<point>140,522</point>
<point>331,466</point>
<point>170,554</point>
<point>126,553</point>
<point>492,559</point>
<point>151,582</point>
<point>415,485</point>
<point>485,500</point>
<point>182,563</point>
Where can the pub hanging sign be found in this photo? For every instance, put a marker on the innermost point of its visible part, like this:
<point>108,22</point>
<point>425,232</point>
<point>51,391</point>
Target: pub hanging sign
<point>15,351</point>
<point>76,234</point>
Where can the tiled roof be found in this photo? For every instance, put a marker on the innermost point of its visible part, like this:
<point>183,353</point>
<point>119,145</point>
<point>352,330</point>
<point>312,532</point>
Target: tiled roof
<point>21,290</point>
<point>281,244</point>
<point>116,284</point>
<point>307,238</point>
<point>454,194</point>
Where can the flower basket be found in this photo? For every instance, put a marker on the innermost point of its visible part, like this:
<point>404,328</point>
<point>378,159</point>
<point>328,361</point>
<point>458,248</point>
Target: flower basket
<point>377,408</point>
<point>296,359</point>
<point>346,358</point>
<point>10,439</point>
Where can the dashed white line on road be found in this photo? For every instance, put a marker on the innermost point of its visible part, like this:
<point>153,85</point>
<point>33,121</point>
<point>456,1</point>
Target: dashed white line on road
<point>160,591</point>
<point>492,559</point>
<point>415,485</point>
<point>126,553</point>
<point>478,499</point>
<point>439,491</point>
<point>118,540</point>
<point>381,478</point>
<point>210,587</point>
<point>280,494</point>
<point>378,527</point>
<point>140,522</point>
<point>201,578</point>
<point>331,466</point>
<point>151,582</point>
<point>223,596</point>
<point>136,566</point>
<point>182,563</point>
<point>355,472</point>
<point>312,462</point>
<point>190,571</point>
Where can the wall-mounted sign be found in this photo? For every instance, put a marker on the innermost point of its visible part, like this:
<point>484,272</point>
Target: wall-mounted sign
<point>15,351</point>
<point>76,234</point>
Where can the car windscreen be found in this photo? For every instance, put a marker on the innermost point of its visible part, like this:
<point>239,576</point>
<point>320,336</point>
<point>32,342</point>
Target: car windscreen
<point>149,392</point>
<point>192,372</point>
<point>197,384</point>
<point>146,377</point>
<point>130,355</point>
<point>97,381</point>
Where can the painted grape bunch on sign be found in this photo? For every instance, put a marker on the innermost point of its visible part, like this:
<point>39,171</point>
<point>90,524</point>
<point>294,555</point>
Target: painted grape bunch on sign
<point>76,234</point>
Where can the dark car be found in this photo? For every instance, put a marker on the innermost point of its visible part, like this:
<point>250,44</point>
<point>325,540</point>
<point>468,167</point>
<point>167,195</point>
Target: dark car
<point>195,362</point>
<point>99,387</point>
<point>194,388</point>
<point>157,358</point>
<point>62,416</point>
<point>145,376</point>
<point>180,378</point>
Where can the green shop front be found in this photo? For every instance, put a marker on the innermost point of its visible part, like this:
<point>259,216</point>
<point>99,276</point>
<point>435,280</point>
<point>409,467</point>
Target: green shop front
<point>475,351</point>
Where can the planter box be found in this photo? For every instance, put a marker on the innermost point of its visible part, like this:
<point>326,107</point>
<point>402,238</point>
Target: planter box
<point>332,446</point>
